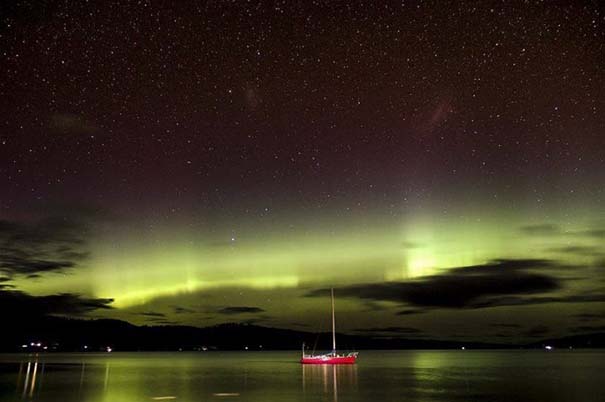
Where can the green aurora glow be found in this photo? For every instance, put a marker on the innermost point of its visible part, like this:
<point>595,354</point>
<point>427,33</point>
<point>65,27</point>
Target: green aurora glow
<point>156,270</point>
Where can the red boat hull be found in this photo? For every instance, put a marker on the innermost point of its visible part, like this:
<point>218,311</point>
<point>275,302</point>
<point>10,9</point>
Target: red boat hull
<point>323,359</point>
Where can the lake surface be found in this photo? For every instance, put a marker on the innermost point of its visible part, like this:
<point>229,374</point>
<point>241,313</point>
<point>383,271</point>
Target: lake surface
<point>566,375</point>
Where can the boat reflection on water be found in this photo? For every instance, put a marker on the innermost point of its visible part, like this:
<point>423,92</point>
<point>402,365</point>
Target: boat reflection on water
<point>329,379</point>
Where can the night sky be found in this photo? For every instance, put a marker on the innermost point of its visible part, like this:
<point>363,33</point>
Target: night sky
<point>441,164</point>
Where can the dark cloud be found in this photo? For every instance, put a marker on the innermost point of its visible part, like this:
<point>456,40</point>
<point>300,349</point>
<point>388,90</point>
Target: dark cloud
<point>548,229</point>
<point>589,317</point>
<point>501,266</point>
<point>462,287</point>
<point>25,306</point>
<point>371,305</point>
<point>152,314</point>
<point>182,310</point>
<point>411,312</point>
<point>54,244</point>
<point>526,301</point>
<point>596,297</point>
<point>590,251</point>
<point>544,229</point>
<point>240,310</point>
<point>596,233</point>
<point>4,283</point>
<point>588,328</point>
<point>537,331</point>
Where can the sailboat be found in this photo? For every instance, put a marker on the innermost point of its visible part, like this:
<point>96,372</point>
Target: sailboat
<point>332,357</point>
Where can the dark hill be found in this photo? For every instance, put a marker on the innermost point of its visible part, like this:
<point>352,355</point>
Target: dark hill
<point>64,334</point>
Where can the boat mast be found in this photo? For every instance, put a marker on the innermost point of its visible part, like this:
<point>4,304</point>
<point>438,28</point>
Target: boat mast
<point>333,323</point>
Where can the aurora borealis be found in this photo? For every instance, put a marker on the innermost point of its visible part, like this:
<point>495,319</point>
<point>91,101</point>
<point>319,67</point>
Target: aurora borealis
<point>440,164</point>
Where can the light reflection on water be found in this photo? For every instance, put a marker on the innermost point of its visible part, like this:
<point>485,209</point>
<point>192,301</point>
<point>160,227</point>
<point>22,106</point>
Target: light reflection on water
<point>29,382</point>
<point>277,376</point>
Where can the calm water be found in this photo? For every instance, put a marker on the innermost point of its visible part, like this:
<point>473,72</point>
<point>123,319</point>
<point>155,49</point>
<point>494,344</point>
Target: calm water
<point>277,376</point>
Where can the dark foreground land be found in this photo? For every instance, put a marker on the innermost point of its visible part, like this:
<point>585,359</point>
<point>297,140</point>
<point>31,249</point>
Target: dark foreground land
<point>61,334</point>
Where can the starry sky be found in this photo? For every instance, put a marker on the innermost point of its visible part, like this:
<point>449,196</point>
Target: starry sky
<point>439,163</point>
